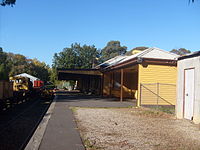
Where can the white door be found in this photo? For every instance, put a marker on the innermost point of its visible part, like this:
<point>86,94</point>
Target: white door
<point>189,94</point>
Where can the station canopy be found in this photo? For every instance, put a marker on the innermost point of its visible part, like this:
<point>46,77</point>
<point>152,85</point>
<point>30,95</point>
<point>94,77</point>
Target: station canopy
<point>74,74</point>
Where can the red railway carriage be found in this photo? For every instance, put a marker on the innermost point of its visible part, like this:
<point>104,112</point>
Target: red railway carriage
<point>38,84</point>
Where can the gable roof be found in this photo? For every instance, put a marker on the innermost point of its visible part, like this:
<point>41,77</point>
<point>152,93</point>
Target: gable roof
<point>157,53</point>
<point>151,53</point>
<point>32,78</point>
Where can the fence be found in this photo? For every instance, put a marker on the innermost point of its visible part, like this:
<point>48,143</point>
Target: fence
<point>157,94</point>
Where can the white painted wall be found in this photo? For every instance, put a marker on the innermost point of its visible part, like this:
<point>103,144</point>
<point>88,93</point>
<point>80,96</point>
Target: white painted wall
<point>182,65</point>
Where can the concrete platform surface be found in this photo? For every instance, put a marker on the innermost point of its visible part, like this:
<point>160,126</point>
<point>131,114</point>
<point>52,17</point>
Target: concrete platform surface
<point>61,132</point>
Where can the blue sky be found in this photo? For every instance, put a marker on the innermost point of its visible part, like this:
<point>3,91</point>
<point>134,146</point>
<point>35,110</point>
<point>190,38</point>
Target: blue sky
<point>40,28</point>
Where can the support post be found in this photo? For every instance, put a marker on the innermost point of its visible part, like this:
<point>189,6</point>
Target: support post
<point>110,84</point>
<point>157,93</point>
<point>122,82</point>
<point>140,101</point>
<point>102,84</point>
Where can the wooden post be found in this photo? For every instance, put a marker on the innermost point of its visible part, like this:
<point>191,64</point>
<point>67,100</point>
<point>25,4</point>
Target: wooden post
<point>157,94</point>
<point>102,84</point>
<point>140,101</point>
<point>122,80</point>
<point>110,84</point>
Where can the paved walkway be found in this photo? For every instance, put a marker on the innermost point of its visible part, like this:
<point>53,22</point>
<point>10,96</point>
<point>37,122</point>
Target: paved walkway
<point>61,132</point>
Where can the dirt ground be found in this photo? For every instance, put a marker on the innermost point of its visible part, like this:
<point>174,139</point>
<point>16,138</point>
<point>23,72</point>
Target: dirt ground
<point>134,129</point>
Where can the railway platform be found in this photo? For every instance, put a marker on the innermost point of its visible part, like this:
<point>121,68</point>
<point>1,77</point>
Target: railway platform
<point>60,132</point>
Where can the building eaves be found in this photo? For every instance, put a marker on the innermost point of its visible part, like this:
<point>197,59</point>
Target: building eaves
<point>194,54</point>
<point>64,69</point>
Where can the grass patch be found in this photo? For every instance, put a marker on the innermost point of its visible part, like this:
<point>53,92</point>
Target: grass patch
<point>164,108</point>
<point>91,145</point>
<point>168,110</point>
<point>73,109</point>
<point>152,113</point>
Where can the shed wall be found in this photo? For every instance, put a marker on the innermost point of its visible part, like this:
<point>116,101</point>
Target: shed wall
<point>182,65</point>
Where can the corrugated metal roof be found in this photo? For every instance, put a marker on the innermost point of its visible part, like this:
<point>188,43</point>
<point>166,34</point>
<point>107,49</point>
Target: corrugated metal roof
<point>32,78</point>
<point>153,52</point>
<point>190,55</point>
<point>111,61</point>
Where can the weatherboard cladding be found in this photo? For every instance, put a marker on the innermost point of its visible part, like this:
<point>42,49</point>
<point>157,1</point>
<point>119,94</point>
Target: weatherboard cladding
<point>158,74</point>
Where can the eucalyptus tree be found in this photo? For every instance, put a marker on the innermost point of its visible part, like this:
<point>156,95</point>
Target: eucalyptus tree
<point>112,49</point>
<point>7,2</point>
<point>76,57</point>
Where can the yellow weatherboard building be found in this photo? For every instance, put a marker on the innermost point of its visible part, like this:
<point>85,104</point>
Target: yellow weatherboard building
<point>148,76</point>
<point>136,51</point>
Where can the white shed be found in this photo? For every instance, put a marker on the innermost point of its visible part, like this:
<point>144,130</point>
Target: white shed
<point>188,87</point>
<point>32,78</point>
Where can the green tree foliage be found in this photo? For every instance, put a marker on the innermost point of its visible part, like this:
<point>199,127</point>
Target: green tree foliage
<point>7,2</point>
<point>20,64</point>
<point>112,49</point>
<point>3,56</point>
<point>180,51</point>
<point>87,56</point>
<point>53,75</point>
<point>39,69</point>
<point>76,57</point>
<point>141,48</point>
<point>66,59</point>
<point>3,65</point>
<point>17,64</point>
<point>13,64</point>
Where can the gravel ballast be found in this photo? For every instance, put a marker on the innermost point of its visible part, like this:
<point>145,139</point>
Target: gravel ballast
<point>134,128</point>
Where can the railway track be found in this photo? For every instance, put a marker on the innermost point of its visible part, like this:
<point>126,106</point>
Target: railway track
<point>16,131</point>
